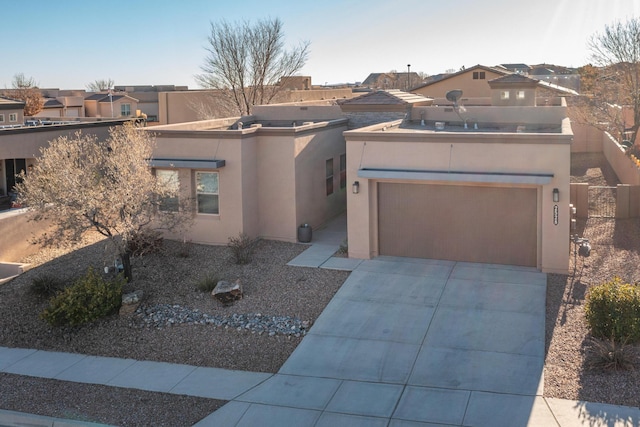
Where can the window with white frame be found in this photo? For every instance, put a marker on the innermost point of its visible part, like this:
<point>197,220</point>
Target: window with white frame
<point>207,193</point>
<point>170,180</point>
<point>343,171</point>
<point>329,176</point>
<point>1,118</point>
<point>504,94</point>
<point>13,117</point>
<point>125,110</point>
<point>520,94</point>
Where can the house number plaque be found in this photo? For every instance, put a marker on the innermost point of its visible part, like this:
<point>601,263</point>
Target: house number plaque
<point>555,214</point>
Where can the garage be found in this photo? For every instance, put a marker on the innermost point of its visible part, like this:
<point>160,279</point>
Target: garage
<point>472,223</point>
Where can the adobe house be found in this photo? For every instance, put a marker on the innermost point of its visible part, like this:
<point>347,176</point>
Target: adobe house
<point>472,81</point>
<point>11,112</point>
<point>105,105</point>
<point>486,184</point>
<point>475,85</point>
<point>263,175</point>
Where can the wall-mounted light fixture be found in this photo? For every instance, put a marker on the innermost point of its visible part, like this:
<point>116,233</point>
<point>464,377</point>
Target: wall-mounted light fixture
<point>356,187</point>
<point>556,195</point>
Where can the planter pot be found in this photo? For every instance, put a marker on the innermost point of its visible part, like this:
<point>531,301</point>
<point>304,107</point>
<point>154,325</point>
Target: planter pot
<point>304,233</point>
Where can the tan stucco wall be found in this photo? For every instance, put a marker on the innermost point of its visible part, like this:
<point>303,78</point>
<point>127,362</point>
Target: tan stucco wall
<point>313,206</point>
<point>470,88</point>
<point>17,235</point>
<point>182,106</point>
<point>486,152</point>
<point>273,178</point>
<point>626,170</point>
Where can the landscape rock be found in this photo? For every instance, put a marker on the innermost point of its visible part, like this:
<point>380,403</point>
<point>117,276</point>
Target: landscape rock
<point>227,292</point>
<point>131,302</point>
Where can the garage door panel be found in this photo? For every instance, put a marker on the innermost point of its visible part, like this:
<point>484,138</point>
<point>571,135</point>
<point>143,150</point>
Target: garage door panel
<point>464,223</point>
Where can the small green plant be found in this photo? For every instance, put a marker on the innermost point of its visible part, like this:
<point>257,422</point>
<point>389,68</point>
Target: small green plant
<point>343,250</point>
<point>47,285</point>
<point>207,283</point>
<point>242,248</point>
<point>88,299</point>
<point>612,311</point>
<point>609,355</point>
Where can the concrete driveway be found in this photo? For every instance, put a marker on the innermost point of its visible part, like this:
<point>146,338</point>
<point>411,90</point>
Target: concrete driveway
<point>410,342</point>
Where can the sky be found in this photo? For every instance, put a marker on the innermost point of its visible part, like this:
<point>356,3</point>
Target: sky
<point>67,44</point>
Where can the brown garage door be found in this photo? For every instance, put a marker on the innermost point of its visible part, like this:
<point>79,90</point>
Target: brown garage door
<point>463,223</point>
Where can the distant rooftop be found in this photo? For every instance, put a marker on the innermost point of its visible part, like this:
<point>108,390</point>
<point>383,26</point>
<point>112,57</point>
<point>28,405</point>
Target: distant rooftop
<point>457,127</point>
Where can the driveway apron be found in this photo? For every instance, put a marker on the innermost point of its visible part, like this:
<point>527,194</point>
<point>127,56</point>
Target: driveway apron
<point>413,342</point>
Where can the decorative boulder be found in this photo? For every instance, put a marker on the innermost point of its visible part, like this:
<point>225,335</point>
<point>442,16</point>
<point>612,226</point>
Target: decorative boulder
<point>130,302</point>
<point>227,292</point>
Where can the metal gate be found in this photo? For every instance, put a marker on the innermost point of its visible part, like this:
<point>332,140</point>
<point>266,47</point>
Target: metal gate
<point>602,202</point>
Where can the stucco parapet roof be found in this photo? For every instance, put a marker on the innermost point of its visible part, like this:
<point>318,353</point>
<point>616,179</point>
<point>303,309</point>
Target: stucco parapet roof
<point>250,131</point>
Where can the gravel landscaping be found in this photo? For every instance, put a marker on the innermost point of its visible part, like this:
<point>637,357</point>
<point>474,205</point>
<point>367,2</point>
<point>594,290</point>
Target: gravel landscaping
<point>615,252</point>
<point>175,323</point>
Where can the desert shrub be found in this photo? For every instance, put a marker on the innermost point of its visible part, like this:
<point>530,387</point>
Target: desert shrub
<point>89,298</point>
<point>343,249</point>
<point>207,283</point>
<point>609,355</point>
<point>242,248</point>
<point>613,311</point>
<point>47,285</point>
<point>184,251</point>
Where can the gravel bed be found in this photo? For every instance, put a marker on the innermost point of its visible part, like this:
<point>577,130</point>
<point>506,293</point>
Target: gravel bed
<point>615,252</point>
<point>262,329</point>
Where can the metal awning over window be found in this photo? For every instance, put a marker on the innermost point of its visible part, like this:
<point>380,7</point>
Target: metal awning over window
<point>187,164</point>
<point>458,176</point>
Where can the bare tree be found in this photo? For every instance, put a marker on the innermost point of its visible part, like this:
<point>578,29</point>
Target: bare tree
<point>100,85</point>
<point>26,89</point>
<point>82,184</point>
<point>616,51</point>
<point>245,61</point>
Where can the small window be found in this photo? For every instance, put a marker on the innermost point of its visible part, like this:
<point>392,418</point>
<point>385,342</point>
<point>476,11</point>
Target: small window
<point>13,117</point>
<point>504,94</point>
<point>478,75</point>
<point>125,110</point>
<point>520,94</point>
<point>329,176</point>
<point>1,118</point>
<point>170,180</point>
<point>343,171</point>
<point>207,193</point>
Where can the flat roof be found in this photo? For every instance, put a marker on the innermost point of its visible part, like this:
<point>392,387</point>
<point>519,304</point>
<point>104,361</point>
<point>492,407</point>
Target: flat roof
<point>472,127</point>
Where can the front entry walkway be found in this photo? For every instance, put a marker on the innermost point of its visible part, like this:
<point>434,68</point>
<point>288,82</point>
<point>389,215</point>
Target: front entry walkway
<point>412,340</point>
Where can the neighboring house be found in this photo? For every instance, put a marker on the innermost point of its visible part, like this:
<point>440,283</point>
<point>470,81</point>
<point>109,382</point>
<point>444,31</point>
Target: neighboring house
<point>472,81</point>
<point>295,83</point>
<point>380,106</point>
<point>20,147</point>
<point>11,112</point>
<point>516,68</point>
<point>147,96</point>
<point>263,175</point>
<point>62,103</point>
<point>114,105</point>
<point>494,191</point>
<point>392,80</point>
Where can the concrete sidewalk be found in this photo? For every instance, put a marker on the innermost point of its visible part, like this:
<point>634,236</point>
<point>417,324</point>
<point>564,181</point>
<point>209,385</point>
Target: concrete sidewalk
<point>404,342</point>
